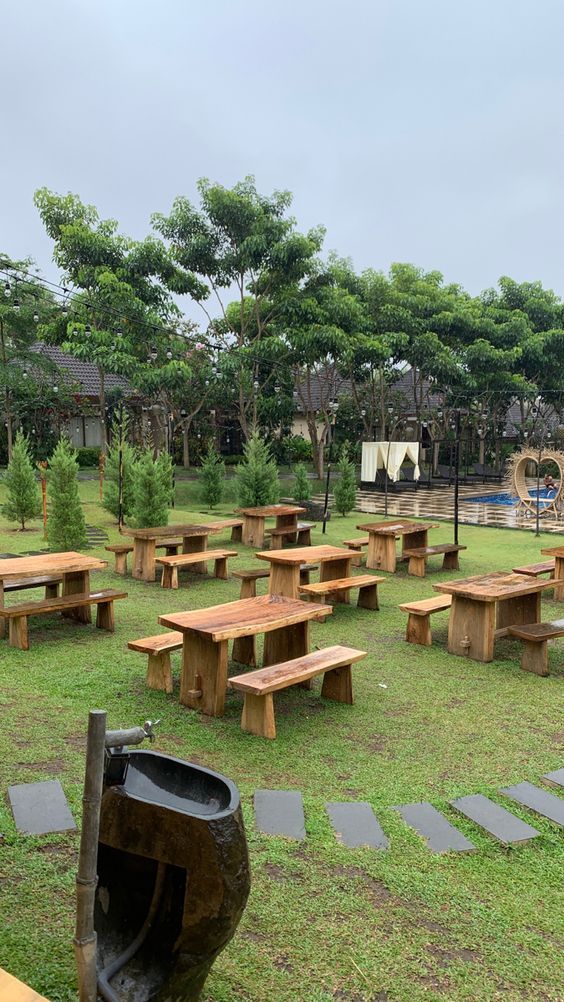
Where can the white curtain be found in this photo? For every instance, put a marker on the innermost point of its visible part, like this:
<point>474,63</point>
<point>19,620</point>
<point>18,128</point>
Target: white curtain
<point>390,456</point>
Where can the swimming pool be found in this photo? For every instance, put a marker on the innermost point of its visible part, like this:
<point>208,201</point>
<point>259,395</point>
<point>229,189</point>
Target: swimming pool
<point>507,499</point>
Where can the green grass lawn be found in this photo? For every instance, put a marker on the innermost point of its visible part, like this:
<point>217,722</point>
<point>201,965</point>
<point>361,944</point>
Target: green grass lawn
<point>323,922</point>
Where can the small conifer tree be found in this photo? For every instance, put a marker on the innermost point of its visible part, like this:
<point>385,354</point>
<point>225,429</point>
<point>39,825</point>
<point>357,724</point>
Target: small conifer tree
<point>257,475</point>
<point>151,495</point>
<point>212,477</point>
<point>302,490</point>
<point>23,500</point>
<point>165,471</point>
<point>344,493</point>
<point>111,477</point>
<point>66,528</point>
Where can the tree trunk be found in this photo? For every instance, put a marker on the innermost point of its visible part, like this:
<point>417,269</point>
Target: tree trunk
<point>482,450</point>
<point>185,448</point>
<point>103,432</point>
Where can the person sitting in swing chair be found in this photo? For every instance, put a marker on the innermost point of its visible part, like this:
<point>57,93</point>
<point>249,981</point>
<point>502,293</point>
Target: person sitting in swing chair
<point>550,484</point>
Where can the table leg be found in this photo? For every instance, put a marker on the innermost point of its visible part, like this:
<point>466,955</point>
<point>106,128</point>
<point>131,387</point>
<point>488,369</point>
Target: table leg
<point>286,643</point>
<point>559,573</point>
<point>144,559</point>
<point>195,544</point>
<point>517,611</point>
<point>284,580</point>
<point>413,540</point>
<point>253,531</point>
<point>204,670</point>
<point>471,628</point>
<point>78,583</point>
<point>287,522</point>
<point>2,620</point>
<point>381,552</point>
<point>330,570</point>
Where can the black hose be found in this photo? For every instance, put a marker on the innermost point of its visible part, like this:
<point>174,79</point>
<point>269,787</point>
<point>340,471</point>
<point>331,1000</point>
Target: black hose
<point>104,976</point>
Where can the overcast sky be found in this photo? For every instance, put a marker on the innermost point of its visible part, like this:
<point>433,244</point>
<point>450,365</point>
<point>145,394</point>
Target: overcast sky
<point>429,132</point>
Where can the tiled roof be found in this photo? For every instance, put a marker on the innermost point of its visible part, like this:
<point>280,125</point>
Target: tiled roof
<point>83,374</point>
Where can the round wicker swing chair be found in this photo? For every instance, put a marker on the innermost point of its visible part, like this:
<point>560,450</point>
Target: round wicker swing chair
<point>527,505</point>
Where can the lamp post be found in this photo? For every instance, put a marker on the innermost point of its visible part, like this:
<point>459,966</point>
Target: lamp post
<point>391,429</point>
<point>334,406</point>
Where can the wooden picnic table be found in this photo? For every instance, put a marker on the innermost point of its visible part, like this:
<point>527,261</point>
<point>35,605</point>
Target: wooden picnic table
<point>206,633</point>
<point>194,540</point>
<point>335,562</point>
<point>484,606</point>
<point>286,516</point>
<point>558,553</point>
<point>382,540</point>
<point>74,567</point>
<point>12,990</point>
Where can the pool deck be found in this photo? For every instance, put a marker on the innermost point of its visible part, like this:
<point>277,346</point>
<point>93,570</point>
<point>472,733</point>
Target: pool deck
<point>438,502</point>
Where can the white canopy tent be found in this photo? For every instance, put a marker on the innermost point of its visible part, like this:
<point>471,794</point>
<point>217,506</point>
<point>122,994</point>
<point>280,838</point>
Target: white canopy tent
<point>388,456</point>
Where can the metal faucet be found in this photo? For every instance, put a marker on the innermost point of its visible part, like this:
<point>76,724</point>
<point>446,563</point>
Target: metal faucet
<point>116,751</point>
<point>131,735</point>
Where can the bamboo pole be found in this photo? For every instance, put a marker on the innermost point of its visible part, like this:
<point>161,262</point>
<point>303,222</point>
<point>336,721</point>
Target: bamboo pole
<point>86,878</point>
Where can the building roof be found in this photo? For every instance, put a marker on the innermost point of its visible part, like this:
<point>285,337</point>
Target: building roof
<point>84,375</point>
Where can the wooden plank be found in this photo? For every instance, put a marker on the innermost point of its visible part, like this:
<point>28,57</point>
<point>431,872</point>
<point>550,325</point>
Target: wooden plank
<point>356,825</point>
<point>555,778</point>
<point>158,643</point>
<point>245,617</point>
<point>251,575</point>
<point>335,584</point>
<point>280,676</point>
<point>164,531</point>
<point>47,605</point>
<point>536,631</point>
<point>546,804</point>
<point>546,567</point>
<point>305,554</point>
<point>493,587</point>
<point>185,559</point>
<point>272,510</point>
<point>280,812</point>
<point>40,808</point>
<point>49,563</point>
<point>438,833</point>
<point>45,580</point>
<point>427,605</point>
<point>503,825</point>
<point>12,990</point>
<point>429,551</point>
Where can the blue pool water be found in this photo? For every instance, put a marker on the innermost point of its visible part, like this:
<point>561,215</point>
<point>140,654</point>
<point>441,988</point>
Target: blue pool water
<point>505,498</point>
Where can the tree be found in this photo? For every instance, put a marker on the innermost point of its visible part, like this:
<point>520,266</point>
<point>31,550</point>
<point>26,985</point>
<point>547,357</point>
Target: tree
<point>120,444</point>
<point>301,490</point>
<point>66,528</point>
<point>151,495</point>
<point>344,492</point>
<point>23,501</point>
<point>212,477</point>
<point>257,475</point>
<point>240,238</point>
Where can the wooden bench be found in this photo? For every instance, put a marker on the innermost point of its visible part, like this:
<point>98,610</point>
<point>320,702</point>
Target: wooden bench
<point>235,524</point>
<point>334,663</point>
<point>159,648</point>
<point>356,545</point>
<point>171,565</point>
<point>12,990</point>
<point>419,555</point>
<point>367,585</point>
<point>50,582</point>
<point>302,533</point>
<point>535,637</point>
<point>17,615</point>
<point>120,550</point>
<point>418,621</point>
<point>249,581</point>
<point>536,570</point>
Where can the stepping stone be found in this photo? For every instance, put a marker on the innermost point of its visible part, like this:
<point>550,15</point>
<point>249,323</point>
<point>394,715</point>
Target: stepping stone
<point>280,812</point>
<point>555,778</point>
<point>356,825</point>
<point>538,800</point>
<point>438,833</point>
<point>8,556</point>
<point>505,827</point>
<point>40,808</point>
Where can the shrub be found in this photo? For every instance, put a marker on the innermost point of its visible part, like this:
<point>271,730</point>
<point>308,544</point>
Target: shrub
<point>111,475</point>
<point>151,495</point>
<point>23,501</point>
<point>301,490</point>
<point>299,449</point>
<point>344,493</point>
<point>257,475</point>
<point>88,456</point>
<point>212,476</point>
<point>66,529</point>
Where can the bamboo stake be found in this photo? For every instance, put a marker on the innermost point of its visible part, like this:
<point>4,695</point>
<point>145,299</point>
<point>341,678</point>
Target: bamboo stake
<point>86,878</point>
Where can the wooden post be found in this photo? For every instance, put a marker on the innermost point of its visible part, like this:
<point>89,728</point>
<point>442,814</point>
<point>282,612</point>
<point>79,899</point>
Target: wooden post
<point>86,878</point>
<point>101,469</point>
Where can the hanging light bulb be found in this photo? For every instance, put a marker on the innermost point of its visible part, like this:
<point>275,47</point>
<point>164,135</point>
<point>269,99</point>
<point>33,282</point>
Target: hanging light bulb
<point>113,346</point>
<point>277,388</point>
<point>75,331</point>
<point>55,388</point>
<point>7,290</point>
<point>256,384</point>
<point>154,354</point>
<point>169,355</point>
<point>16,306</point>
<point>119,332</point>
<point>65,308</point>
<point>88,329</point>
<point>35,316</point>
<point>24,374</point>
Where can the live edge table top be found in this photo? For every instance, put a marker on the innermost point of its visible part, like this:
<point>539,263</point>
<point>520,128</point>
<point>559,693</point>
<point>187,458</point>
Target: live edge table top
<point>306,554</point>
<point>494,587</point>
<point>165,531</point>
<point>245,617</point>
<point>68,562</point>
<point>271,510</point>
<point>400,528</point>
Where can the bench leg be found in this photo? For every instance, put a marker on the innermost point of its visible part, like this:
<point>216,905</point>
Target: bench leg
<point>159,672</point>
<point>368,597</point>
<point>248,588</point>
<point>17,633</point>
<point>221,568</point>
<point>418,630</point>
<point>276,542</point>
<point>245,650</point>
<point>535,657</point>
<point>105,619</point>
<point>51,591</point>
<point>237,533</point>
<point>450,562</point>
<point>121,564</point>
<point>337,685</point>
<point>171,549</point>
<point>169,578</point>
<point>304,537</point>
<point>416,567</point>
<point>258,715</point>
